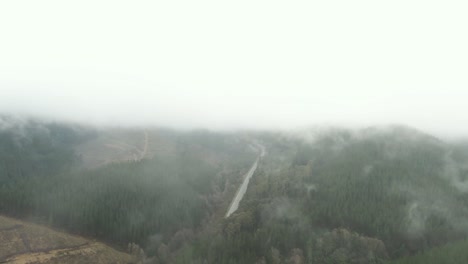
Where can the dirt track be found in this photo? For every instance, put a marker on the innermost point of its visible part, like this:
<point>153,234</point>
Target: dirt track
<point>243,188</point>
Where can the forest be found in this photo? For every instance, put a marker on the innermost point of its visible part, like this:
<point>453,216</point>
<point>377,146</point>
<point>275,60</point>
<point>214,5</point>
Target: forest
<point>147,202</point>
<point>348,197</point>
<point>376,195</point>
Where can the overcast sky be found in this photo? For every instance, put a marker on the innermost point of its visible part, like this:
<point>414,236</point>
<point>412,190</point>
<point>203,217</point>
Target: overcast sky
<point>238,64</point>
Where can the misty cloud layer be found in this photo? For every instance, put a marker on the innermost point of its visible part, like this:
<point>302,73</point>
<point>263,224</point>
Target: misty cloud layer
<point>255,65</point>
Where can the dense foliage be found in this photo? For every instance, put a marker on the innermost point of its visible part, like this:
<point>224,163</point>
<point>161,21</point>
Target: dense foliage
<point>147,201</point>
<point>128,202</point>
<point>333,197</point>
<point>448,254</point>
<point>29,153</point>
<point>396,188</point>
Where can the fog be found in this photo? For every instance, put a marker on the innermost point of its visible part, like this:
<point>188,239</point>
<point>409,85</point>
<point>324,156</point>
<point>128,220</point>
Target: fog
<point>239,65</point>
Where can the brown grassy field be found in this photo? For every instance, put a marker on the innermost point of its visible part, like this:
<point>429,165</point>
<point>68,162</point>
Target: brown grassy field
<point>22,242</point>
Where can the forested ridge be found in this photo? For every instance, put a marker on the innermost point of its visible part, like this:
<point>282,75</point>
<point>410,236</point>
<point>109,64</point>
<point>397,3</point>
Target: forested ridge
<point>376,195</point>
<point>151,202</point>
<point>346,197</point>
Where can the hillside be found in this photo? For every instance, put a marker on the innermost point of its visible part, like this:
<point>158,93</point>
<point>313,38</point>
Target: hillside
<point>317,196</point>
<point>22,242</point>
<point>177,184</point>
<point>340,196</point>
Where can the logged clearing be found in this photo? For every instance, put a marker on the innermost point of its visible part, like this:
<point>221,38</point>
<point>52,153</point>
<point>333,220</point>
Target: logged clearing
<point>114,146</point>
<point>22,243</point>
